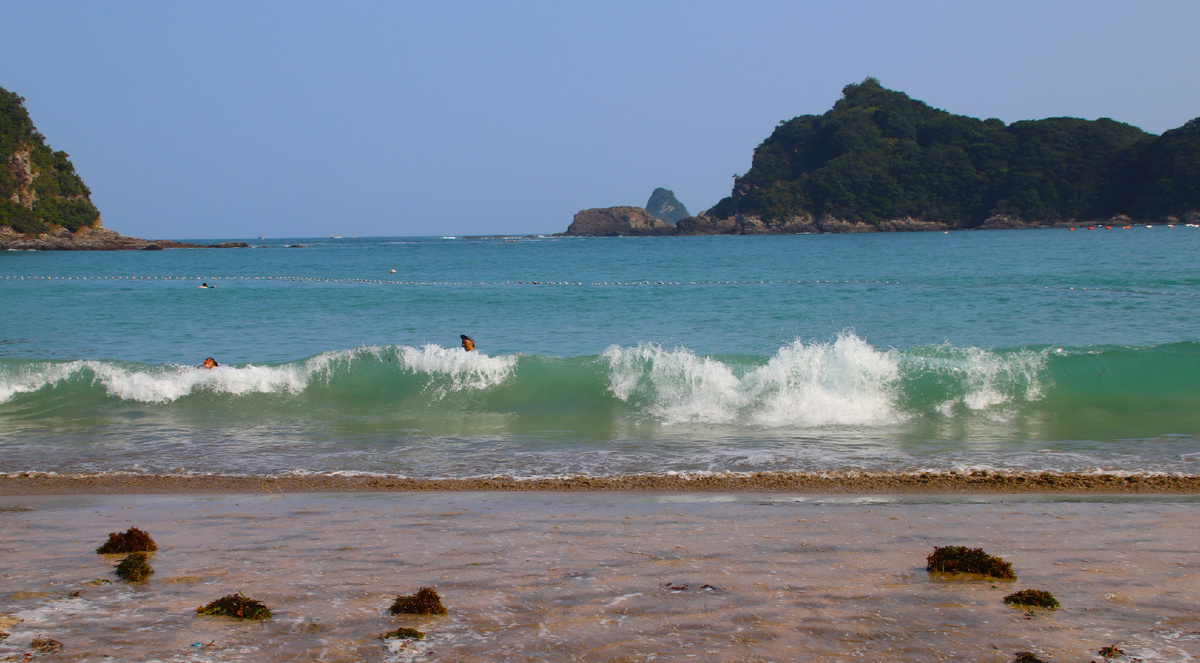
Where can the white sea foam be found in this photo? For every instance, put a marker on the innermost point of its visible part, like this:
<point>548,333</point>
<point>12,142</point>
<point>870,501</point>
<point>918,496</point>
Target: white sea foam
<point>29,378</point>
<point>165,384</point>
<point>989,378</point>
<point>846,382</point>
<point>464,370</point>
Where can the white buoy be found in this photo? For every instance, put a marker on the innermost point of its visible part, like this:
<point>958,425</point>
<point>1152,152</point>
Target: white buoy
<point>393,271</point>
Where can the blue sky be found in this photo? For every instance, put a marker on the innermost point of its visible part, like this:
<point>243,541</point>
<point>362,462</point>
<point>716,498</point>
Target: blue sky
<point>205,120</point>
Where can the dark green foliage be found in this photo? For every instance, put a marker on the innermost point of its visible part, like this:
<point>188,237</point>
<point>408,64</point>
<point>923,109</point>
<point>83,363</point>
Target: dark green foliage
<point>425,602</point>
<point>134,568</point>
<point>58,194</point>
<point>1027,657</point>
<point>960,559</point>
<point>20,218</point>
<point>1032,598</point>
<point>237,606</point>
<point>1111,651</point>
<point>877,154</point>
<point>70,213</point>
<point>1168,172</point>
<point>129,541</point>
<point>407,633</point>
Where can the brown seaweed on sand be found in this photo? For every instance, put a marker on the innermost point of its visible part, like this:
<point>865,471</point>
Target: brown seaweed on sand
<point>960,559</point>
<point>134,568</point>
<point>129,541</point>
<point>425,602</point>
<point>1032,598</point>
<point>404,632</point>
<point>1111,651</point>
<point>46,645</point>
<point>1027,657</point>
<point>237,606</point>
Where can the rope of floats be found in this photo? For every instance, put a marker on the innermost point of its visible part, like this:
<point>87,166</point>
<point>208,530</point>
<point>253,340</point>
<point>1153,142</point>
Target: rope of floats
<point>359,281</point>
<point>310,279</point>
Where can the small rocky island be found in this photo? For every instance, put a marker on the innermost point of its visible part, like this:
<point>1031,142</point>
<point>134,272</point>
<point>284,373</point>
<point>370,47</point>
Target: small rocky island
<point>44,204</point>
<point>879,161</point>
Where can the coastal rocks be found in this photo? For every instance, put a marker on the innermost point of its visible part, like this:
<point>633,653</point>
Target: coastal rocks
<point>97,238</point>
<point>665,207</point>
<point>706,225</point>
<point>617,221</point>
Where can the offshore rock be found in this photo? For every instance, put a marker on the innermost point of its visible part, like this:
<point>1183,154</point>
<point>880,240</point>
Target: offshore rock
<point>617,221</point>
<point>95,238</point>
<point>665,207</point>
<point>706,225</point>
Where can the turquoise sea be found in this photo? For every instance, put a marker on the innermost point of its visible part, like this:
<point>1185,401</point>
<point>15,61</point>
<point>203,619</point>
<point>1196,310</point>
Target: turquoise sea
<point>1024,349</point>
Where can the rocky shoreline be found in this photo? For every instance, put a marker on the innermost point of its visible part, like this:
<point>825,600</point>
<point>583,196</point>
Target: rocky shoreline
<point>625,221</point>
<point>95,239</point>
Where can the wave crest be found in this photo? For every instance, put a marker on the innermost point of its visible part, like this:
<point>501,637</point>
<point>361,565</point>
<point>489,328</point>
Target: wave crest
<point>846,382</point>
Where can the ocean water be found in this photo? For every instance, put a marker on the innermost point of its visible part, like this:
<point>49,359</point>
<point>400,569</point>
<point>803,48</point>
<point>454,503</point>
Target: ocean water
<point>1022,350</point>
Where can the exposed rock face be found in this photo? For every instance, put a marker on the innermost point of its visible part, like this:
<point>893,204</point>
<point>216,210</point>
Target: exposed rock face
<point>665,207</point>
<point>706,225</point>
<point>614,221</point>
<point>95,238</point>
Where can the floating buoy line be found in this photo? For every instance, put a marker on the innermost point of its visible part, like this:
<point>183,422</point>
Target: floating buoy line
<point>353,281</point>
<point>311,279</point>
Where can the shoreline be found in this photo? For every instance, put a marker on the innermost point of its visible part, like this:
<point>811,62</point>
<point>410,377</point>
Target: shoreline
<point>840,482</point>
<point>600,576</point>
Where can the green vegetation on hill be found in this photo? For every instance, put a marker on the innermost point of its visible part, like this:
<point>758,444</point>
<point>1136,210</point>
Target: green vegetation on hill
<point>38,186</point>
<point>877,154</point>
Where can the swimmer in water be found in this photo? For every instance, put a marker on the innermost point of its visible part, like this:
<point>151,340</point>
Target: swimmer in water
<point>209,362</point>
<point>205,285</point>
<point>467,343</point>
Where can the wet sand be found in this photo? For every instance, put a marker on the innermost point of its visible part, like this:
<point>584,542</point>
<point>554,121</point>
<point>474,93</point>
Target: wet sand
<point>834,482</point>
<point>603,576</point>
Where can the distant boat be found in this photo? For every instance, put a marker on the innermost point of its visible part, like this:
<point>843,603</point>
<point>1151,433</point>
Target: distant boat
<point>335,237</point>
<point>449,237</point>
<point>261,237</point>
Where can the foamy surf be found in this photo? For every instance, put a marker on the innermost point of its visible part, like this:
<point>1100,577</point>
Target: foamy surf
<point>445,369</point>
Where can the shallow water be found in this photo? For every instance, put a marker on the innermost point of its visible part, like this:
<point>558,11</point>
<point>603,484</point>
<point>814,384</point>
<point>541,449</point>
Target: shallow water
<point>603,577</point>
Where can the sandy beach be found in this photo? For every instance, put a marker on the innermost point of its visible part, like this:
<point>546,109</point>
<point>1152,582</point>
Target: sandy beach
<point>603,576</point>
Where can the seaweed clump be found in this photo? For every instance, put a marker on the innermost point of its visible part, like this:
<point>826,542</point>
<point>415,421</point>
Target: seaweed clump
<point>129,541</point>
<point>1027,657</point>
<point>1111,651</point>
<point>134,568</point>
<point>425,602</point>
<point>404,632</point>
<point>960,559</point>
<point>1034,598</point>
<point>46,645</point>
<point>235,605</point>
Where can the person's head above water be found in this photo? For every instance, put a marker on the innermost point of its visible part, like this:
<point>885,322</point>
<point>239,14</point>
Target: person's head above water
<point>209,362</point>
<point>467,343</point>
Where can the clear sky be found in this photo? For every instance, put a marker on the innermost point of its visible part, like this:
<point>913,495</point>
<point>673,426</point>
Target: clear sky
<point>210,119</point>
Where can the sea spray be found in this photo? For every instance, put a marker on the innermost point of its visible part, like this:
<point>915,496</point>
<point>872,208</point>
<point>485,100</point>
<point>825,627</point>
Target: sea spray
<point>844,383</point>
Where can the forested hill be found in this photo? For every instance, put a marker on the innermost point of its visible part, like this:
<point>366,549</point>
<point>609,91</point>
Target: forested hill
<point>878,156</point>
<point>39,188</point>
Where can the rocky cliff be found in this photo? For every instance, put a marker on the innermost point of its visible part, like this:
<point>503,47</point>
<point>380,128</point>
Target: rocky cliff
<point>39,189</point>
<point>44,204</point>
<point>617,221</point>
<point>665,207</point>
